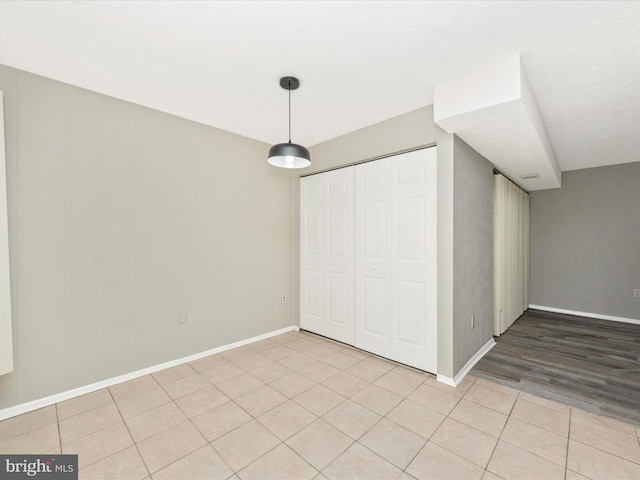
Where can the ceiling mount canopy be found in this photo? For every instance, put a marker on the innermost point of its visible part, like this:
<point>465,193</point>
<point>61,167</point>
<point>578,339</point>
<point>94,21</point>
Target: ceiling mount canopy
<point>289,155</point>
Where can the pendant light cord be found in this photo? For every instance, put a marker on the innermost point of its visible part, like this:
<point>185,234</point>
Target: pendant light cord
<point>289,111</point>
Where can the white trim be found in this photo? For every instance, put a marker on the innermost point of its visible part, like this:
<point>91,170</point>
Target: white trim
<point>454,382</point>
<point>76,392</point>
<point>585,314</point>
<point>6,335</point>
<point>446,380</point>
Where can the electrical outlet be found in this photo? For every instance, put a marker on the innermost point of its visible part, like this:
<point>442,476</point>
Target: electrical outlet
<point>473,321</point>
<point>636,292</point>
<point>283,299</point>
<point>183,317</point>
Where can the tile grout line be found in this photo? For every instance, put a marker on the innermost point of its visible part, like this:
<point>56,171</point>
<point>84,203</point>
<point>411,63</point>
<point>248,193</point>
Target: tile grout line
<point>516,446</point>
<point>266,453</point>
<point>635,433</point>
<point>130,436</point>
<point>90,433</point>
<point>344,370</point>
<point>486,468</point>
<point>190,420</point>
<point>242,425</point>
<point>607,453</point>
<point>566,462</point>
<point>422,447</point>
<point>58,425</point>
<point>498,439</point>
<point>436,429</point>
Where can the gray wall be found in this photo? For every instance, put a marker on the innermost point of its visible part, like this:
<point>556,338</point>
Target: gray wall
<point>120,217</point>
<point>458,188</point>
<point>472,252</point>
<point>585,242</point>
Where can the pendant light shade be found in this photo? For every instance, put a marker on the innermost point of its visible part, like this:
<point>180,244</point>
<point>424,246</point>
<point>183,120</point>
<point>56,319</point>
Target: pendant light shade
<point>289,155</point>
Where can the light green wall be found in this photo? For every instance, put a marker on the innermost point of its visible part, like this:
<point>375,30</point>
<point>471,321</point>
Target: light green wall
<point>445,257</point>
<point>120,218</point>
<point>6,324</point>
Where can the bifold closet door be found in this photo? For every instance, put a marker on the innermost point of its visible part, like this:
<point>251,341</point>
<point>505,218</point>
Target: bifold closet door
<point>326,254</point>
<point>396,258</point>
<point>373,257</point>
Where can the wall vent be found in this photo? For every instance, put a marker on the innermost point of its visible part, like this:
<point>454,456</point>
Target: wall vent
<point>530,176</point>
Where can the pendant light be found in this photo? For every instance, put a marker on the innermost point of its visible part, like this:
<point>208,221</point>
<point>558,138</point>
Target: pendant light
<point>289,155</point>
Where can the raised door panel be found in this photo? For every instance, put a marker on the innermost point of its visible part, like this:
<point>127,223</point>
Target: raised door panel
<point>413,259</point>
<point>372,285</point>
<point>326,254</point>
<point>312,296</point>
<point>311,247</point>
<point>311,219</point>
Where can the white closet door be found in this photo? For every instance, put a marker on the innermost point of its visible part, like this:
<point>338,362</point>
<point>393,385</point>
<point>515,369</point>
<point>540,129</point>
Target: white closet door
<point>326,254</point>
<point>372,254</point>
<point>395,258</point>
<point>413,335</point>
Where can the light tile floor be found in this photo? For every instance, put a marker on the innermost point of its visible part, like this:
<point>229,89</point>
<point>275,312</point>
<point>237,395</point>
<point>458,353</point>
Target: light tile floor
<point>298,406</point>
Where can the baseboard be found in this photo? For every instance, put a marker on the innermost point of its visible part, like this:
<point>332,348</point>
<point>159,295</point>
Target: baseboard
<point>455,381</point>
<point>76,392</point>
<point>446,380</point>
<point>599,316</point>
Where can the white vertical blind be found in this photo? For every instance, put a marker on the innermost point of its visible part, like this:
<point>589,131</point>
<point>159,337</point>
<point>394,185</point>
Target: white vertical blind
<point>510,253</point>
<point>6,337</point>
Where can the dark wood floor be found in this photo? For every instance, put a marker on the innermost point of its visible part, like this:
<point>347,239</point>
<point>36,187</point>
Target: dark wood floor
<point>586,363</point>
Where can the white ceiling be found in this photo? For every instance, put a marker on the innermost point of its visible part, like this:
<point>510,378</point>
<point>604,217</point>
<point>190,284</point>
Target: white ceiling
<point>359,63</point>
